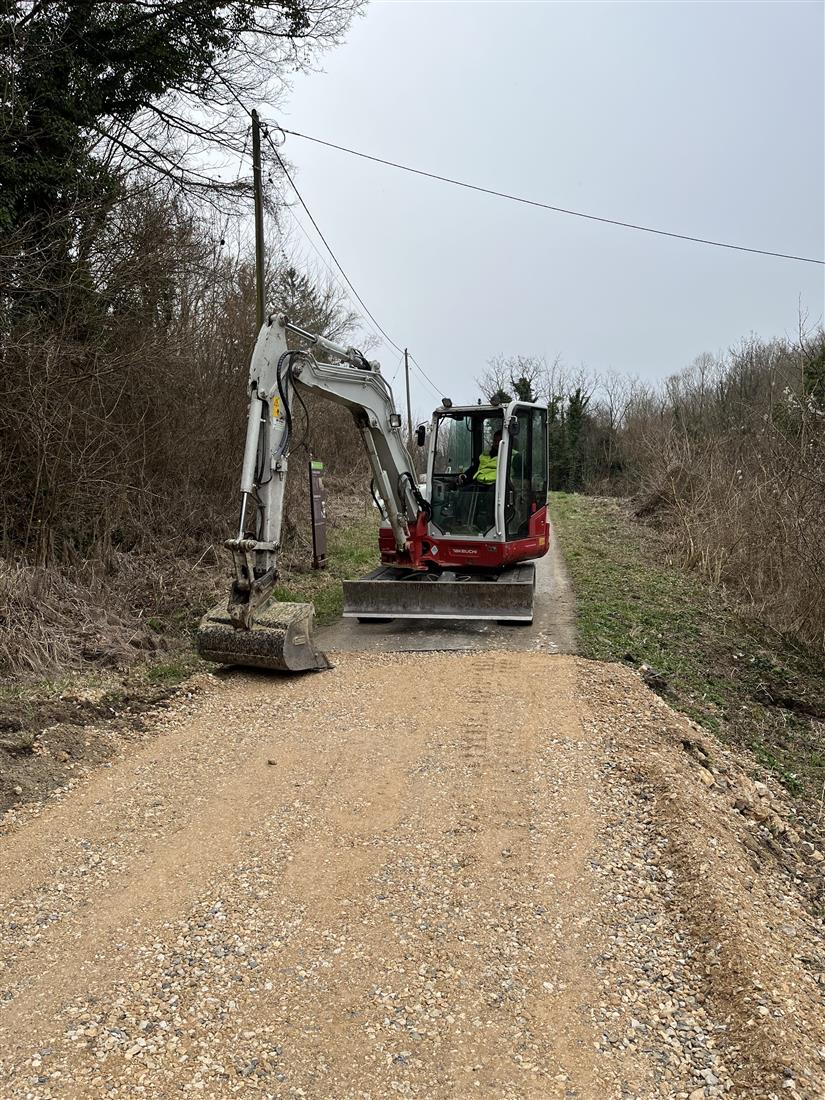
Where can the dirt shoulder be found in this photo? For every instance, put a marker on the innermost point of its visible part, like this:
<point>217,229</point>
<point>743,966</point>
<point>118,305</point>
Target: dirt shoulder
<point>85,661</point>
<point>694,644</point>
<point>553,887</point>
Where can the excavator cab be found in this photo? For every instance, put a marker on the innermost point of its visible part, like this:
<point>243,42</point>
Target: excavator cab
<point>487,473</point>
<point>475,477</point>
<point>486,521</point>
<point>464,471</point>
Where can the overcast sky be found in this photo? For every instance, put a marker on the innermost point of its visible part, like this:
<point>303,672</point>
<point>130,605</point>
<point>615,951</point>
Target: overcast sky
<point>702,118</point>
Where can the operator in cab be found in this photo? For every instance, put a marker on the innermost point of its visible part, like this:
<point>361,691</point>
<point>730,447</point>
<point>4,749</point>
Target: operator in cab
<point>482,473</point>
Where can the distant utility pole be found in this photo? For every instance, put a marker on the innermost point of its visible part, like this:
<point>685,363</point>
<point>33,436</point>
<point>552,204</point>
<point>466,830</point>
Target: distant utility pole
<point>409,408</point>
<point>259,221</point>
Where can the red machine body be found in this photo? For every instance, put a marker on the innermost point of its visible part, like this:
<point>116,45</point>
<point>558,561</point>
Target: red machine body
<point>429,551</point>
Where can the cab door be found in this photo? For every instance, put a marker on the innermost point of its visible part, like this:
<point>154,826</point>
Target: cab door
<point>525,485</point>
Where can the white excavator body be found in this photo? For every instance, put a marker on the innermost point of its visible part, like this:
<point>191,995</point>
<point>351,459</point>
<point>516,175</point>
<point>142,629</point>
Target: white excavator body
<point>418,543</point>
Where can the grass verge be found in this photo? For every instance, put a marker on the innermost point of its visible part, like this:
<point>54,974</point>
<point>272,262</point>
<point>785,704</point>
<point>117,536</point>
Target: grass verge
<point>351,551</point>
<point>729,672</point>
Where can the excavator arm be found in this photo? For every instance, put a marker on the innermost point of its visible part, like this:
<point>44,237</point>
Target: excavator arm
<point>251,629</point>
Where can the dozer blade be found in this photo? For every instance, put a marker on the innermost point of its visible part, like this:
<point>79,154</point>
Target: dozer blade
<point>390,593</point>
<point>280,639</point>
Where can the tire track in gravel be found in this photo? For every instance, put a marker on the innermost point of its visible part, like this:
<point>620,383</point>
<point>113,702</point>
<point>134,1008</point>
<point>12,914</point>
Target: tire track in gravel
<point>528,855</point>
<point>447,884</point>
<point>164,874</point>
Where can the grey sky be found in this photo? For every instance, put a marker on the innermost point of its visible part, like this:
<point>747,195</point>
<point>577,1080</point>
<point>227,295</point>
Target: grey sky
<point>705,119</point>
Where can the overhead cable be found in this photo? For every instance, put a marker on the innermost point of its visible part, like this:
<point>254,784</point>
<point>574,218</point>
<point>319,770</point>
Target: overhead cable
<point>267,135</point>
<point>425,376</point>
<point>397,369</point>
<point>331,272</point>
<point>337,263</point>
<point>549,206</point>
<point>430,386</point>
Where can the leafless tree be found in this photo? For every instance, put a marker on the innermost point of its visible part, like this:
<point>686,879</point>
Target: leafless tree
<point>191,125</point>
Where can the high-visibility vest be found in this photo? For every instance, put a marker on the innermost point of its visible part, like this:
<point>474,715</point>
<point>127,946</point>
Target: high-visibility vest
<point>486,472</point>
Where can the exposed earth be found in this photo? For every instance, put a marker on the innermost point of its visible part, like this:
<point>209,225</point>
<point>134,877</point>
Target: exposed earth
<point>496,874</point>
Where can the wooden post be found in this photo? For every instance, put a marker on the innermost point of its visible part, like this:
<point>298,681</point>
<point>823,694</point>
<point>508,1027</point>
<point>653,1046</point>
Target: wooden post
<point>259,221</point>
<point>409,407</point>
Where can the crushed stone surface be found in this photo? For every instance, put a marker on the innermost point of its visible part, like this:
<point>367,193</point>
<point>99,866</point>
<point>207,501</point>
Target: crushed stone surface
<point>505,875</point>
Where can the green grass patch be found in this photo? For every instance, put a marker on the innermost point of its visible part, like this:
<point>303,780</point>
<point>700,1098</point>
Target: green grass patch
<point>351,552</point>
<point>728,671</point>
<point>174,671</point>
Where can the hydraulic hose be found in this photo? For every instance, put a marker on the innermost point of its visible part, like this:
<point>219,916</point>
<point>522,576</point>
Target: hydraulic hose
<point>423,504</point>
<point>287,355</point>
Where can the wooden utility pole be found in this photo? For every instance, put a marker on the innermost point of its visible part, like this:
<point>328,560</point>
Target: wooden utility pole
<point>409,407</point>
<point>259,221</point>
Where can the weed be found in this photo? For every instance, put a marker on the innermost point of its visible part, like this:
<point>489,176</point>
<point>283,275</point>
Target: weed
<point>169,673</point>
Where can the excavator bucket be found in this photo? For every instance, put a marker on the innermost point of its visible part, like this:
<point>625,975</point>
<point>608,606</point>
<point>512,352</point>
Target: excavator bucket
<point>280,639</point>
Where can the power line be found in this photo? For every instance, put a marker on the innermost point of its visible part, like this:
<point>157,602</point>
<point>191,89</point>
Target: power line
<point>549,206</point>
<point>425,376</point>
<point>265,131</point>
<point>432,388</point>
<point>332,273</point>
<point>272,145</point>
<point>397,369</point>
<point>337,263</point>
<point>434,391</point>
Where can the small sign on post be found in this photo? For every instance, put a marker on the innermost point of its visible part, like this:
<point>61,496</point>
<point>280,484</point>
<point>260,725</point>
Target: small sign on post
<point>318,512</point>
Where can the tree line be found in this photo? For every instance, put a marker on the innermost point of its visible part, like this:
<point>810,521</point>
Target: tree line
<point>727,457</point>
<point>126,304</point>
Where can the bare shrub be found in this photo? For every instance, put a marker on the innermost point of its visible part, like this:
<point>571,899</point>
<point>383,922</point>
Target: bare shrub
<point>730,459</point>
<point>123,410</point>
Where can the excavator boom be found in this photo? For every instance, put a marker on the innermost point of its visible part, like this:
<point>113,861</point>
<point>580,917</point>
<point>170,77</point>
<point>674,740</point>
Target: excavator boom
<point>253,629</point>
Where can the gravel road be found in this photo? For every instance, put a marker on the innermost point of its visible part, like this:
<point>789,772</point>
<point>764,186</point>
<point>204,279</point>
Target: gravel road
<point>504,875</point>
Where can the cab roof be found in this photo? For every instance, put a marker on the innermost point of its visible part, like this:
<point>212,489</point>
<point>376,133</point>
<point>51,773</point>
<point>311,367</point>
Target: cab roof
<point>482,410</point>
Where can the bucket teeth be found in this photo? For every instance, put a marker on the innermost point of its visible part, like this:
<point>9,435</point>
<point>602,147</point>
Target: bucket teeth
<point>280,639</point>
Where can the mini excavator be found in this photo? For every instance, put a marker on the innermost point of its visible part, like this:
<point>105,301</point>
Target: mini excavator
<point>459,547</point>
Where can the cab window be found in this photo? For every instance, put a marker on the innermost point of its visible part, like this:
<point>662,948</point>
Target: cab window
<point>526,486</point>
<point>462,444</point>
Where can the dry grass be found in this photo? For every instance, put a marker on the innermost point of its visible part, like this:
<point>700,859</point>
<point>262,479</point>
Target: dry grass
<point>42,617</point>
<point>728,460</point>
<point>131,607</point>
<point>51,619</point>
<point>727,669</point>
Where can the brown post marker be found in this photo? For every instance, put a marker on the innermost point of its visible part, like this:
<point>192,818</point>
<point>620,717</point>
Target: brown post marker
<point>259,221</point>
<point>318,513</point>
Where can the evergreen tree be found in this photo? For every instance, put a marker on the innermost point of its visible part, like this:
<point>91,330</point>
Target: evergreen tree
<point>524,389</point>
<point>577,404</point>
<point>91,86</point>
